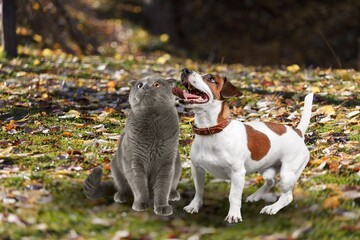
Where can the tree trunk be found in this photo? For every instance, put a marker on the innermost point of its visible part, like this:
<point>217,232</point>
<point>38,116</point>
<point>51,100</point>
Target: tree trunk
<point>9,27</point>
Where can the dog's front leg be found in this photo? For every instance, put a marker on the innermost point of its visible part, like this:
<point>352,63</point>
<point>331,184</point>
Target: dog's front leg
<point>198,174</point>
<point>236,189</point>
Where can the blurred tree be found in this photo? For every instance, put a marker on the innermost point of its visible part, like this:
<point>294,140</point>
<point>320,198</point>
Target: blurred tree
<point>160,16</point>
<point>8,22</point>
<point>55,24</point>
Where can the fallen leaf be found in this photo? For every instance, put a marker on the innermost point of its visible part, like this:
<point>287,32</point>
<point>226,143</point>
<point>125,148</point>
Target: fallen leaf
<point>293,68</point>
<point>331,202</point>
<point>6,152</point>
<point>67,134</point>
<point>10,125</point>
<point>164,58</point>
<point>327,110</point>
<point>122,234</point>
<point>111,84</point>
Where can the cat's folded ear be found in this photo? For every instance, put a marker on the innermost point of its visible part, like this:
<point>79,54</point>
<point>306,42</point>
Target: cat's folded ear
<point>172,82</point>
<point>132,82</point>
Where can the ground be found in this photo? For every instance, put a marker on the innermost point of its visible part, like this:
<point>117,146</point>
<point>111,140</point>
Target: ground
<point>61,115</point>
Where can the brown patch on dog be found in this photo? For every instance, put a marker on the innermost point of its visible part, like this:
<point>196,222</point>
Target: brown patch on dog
<point>221,87</point>
<point>216,86</point>
<point>298,132</point>
<point>224,113</point>
<point>279,129</point>
<point>257,142</point>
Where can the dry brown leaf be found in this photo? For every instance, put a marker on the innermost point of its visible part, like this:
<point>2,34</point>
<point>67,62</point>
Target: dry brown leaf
<point>331,202</point>
<point>67,134</point>
<point>10,125</point>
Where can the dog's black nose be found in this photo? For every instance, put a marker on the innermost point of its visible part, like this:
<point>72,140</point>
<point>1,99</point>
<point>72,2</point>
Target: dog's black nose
<point>185,71</point>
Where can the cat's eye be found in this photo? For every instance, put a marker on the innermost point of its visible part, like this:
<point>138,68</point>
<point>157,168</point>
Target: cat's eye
<point>139,85</point>
<point>156,84</point>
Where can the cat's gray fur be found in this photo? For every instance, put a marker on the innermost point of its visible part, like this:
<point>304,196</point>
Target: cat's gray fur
<point>147,163</point>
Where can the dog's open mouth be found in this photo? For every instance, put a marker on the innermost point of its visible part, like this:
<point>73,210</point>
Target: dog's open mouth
<point>192,96</point>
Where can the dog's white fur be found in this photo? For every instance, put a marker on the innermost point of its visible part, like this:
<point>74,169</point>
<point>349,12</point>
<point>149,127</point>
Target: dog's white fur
<point>226,156</point>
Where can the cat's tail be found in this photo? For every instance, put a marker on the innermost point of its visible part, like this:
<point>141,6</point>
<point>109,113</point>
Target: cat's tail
<point>94,188</point>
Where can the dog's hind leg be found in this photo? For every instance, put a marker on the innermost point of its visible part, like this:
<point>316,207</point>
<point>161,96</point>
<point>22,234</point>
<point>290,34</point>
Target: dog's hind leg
<point>289,174</point>
<point>269,177</point>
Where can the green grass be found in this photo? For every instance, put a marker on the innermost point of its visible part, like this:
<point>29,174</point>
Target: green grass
<point>46,169</point>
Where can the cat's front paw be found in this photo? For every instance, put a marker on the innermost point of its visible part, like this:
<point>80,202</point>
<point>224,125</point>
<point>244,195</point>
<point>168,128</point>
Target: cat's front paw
<point>164,210</point>
<point>140,206</point>
<point>121,197</point>
<point>174,195</point>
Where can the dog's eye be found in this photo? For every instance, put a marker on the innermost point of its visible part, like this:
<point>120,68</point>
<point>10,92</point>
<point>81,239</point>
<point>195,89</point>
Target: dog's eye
<point>156,84</point>
<point>211,79</point>
<point>139,85</point>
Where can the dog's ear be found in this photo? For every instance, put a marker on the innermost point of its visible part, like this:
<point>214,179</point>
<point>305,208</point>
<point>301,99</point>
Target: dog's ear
<point>228,90</point>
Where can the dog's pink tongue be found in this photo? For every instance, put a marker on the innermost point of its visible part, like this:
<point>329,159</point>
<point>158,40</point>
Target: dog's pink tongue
<point>178,92</point>
<point>182,94</point>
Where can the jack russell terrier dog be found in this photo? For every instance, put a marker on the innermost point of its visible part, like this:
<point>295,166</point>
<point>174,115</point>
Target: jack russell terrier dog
<point>230,149</point>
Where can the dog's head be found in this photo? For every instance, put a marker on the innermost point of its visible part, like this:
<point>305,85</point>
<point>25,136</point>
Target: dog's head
<point>204,89</point>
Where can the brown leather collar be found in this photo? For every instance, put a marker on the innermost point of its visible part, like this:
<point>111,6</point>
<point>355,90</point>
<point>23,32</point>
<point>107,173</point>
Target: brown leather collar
<point>212,130</point>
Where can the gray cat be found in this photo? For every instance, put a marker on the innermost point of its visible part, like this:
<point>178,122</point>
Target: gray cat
<point>147,162</point>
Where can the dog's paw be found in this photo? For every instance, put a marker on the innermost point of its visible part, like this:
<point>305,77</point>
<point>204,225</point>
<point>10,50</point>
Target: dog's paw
<point>271,210</point>
<point>120,197</point>
<point>174,196</point>
<point>192,208</point>
<point>253,198</point>
<point>140,206</point>
<point>164,210</point>
<point>233,218</point>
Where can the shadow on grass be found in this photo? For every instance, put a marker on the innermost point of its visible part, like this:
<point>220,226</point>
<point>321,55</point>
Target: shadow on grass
<point>70,211</point>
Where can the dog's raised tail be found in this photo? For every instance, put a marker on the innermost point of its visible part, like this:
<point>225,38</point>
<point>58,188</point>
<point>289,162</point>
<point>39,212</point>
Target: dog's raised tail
<point>306,114</point>
<point>94,188</point>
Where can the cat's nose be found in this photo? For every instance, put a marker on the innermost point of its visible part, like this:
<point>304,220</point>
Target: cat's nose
<point>186,71</point>
<point>146,86</point>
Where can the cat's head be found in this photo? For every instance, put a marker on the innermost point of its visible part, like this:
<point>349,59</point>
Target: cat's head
<point>152,92</point>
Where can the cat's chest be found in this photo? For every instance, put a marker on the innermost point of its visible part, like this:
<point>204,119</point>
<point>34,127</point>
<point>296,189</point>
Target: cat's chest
<point>155,128</point>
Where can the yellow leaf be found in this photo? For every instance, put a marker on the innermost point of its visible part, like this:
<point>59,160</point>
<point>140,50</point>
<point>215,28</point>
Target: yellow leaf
<point>137,9</point>
<point>78,125</point>
<point>44,95</point>
<point>344,74</point>
<point>293,68</point>
<point>36,62</point>
<point>164,58</point>
<point>327,110</point>
<point>36,6</point>
<point>37,38</point>
<point>47,52</point>
<point>74,112</point>
<point>6,152</point>
<point>142,33</point>
<point>115,121</point>
<point>164,38</point>
<point>315,89</point>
